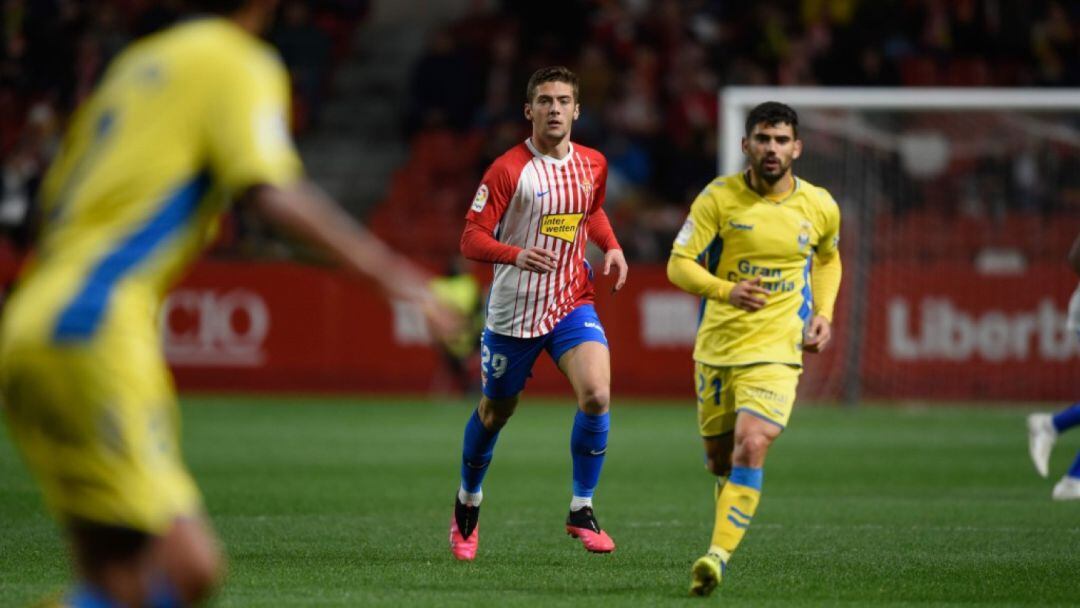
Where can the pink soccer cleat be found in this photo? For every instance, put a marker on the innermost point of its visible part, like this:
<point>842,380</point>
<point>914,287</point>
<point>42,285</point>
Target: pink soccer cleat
<point>464,531</point>
<point>582,525</point>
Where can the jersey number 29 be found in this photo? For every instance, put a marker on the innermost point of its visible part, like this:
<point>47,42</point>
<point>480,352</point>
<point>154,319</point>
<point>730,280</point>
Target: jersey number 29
<point>495,363</point>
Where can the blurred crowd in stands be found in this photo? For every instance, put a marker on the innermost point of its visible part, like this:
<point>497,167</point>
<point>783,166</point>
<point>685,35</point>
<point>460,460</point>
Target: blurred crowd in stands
<point>54,52</point>
<point>650,72</point>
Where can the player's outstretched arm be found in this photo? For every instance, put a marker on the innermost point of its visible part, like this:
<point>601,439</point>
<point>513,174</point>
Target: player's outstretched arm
<point>306,213</point>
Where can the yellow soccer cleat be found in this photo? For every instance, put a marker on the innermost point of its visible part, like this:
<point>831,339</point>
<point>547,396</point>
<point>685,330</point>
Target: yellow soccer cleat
<point>706,574</point>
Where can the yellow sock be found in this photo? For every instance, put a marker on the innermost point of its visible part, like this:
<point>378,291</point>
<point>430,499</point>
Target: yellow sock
<point>735,507</point>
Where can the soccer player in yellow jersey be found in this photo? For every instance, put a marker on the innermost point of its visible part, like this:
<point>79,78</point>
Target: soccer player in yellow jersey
<point>760,248</point>
<point>183,122</point>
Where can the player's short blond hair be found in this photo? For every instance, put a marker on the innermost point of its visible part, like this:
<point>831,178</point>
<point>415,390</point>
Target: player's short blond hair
<point>554,73</point>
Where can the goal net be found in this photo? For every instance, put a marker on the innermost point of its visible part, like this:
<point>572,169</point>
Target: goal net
<point>959,206</point>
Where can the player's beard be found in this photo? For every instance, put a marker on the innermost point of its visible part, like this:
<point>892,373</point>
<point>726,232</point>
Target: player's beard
<point>772,176</point>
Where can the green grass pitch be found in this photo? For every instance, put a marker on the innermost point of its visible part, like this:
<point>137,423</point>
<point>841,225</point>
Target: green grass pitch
<point>346,502</point>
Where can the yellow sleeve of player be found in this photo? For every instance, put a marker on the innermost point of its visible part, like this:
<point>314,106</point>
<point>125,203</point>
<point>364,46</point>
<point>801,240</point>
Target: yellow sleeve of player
<point>827,270</point>
<point>691,277</point>
<point>248,125</point>
<point>825,283</point>
<point>829,227</point>
<point>699,231</point>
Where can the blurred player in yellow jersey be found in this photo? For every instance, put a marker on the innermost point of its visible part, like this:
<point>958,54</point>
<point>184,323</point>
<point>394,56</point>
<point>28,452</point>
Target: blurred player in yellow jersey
<point>184,122</point>
<point>760,248</point>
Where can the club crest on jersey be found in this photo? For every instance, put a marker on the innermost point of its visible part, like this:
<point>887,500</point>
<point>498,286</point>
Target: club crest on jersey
<point>586,187</point>
<point>804,234</point>
<point>561,225</point>
<point>480,199</point>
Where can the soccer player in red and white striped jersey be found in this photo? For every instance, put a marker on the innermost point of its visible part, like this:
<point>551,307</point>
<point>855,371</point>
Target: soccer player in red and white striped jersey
<point>537,206</point>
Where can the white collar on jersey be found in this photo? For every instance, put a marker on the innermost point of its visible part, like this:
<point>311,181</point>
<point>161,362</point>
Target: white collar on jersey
<point>551,160</point>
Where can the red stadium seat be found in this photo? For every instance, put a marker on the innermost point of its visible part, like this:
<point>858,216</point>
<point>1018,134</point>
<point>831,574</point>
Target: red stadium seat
<point>968,72</point>
<point>919,70</point>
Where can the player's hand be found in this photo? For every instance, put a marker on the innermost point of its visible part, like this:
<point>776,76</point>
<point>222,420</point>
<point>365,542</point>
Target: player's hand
<point>537,259</point>
<point>408,283</point>
<point>817,335</point>
<point>444,323</point>
<point>615,258</point>
<point>748,295</point>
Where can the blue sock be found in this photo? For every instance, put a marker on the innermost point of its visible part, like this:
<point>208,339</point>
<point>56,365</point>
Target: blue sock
<point>164,595</point>
<point>1074,470</point>
<point>87,596</point>
<point>588,444</point>
<point>1067,418</point>
<point>476,453</point>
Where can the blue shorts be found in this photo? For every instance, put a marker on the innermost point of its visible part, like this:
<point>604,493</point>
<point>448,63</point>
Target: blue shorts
<point>506,363</point>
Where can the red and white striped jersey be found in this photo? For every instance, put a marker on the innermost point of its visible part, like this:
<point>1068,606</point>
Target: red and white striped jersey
<point>527,199</point>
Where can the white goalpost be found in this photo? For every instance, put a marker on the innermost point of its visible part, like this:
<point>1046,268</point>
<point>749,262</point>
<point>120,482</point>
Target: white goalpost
<point>736,102</point>
<point>958,207</point>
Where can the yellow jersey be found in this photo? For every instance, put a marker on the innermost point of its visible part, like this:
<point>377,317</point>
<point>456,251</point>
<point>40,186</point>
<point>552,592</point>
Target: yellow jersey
<point>462,293</point>
<point>738,234</point>
<point>182,121</point>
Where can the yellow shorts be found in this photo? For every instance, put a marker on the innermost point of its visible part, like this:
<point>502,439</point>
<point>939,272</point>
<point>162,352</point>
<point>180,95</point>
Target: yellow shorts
<point>98,426</point>
<point>766,390</point>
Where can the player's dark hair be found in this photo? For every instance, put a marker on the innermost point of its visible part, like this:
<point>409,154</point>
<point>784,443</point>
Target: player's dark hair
<point>555,73</point>
<point>772,113</point>
<point>101,543</point>
<point>216,6</point>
